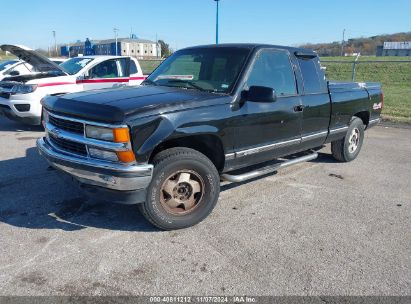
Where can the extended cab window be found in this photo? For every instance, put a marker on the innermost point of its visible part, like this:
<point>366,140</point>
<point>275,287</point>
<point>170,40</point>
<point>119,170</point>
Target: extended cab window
<point>106,69</point>
<point>313,76</point>
<point>133,67</point>
<point>273,69</point>
<point>123,66</point>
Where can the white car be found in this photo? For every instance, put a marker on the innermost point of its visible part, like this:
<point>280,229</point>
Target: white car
<point>20,95</point>
<point>14,67</point>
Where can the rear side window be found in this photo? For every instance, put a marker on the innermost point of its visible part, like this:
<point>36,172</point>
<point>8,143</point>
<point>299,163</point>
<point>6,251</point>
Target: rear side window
<point>133,67</point>
<point>124,69</point>
<point>273,69</point>
<point>313,76</point>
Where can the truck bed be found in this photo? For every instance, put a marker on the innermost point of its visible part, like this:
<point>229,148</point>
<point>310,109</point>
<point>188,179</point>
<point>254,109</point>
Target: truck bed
<point>354,97</point>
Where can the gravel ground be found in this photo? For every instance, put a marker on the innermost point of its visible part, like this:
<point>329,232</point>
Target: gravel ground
<point>318,228</point>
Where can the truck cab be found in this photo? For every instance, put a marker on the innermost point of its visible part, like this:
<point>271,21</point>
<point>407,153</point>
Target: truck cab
<point>20,93</point>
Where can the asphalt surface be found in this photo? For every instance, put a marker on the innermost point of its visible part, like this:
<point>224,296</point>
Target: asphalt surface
<point>318,228</point>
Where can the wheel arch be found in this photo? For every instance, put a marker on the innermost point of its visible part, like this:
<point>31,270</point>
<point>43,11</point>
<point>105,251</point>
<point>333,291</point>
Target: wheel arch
<point>364,116</point>
<point>208,144</point>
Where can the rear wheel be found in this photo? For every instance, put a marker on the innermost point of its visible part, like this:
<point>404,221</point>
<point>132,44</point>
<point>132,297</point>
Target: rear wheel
<point>348,148</point>
<point>184,189</point>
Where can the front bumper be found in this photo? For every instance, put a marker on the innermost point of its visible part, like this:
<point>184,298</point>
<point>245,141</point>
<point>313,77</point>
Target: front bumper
<point>96,175</point>
<point>10,114</point>
<point>9,107</point>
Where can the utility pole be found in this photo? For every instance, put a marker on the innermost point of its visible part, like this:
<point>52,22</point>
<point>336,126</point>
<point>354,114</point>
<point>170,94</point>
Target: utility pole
<point>216,23</point>
<point>156,45</point>
<point>115,30</point>
<point>55,42</point>
<point>342,43</point>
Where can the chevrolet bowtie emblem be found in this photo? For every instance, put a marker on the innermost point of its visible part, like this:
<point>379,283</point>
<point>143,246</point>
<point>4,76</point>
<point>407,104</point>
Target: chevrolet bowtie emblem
<point>55,132</point>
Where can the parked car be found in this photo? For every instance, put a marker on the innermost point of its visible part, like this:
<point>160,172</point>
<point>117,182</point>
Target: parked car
<point>20,95</point>
<point>14,68</point>
<point>202,115</point>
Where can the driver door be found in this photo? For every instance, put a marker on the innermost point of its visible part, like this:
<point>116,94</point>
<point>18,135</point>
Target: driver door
<point>107,74</point>
<point>267,130</point>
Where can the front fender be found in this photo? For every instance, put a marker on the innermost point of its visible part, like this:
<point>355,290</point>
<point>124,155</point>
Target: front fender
<point>153,132</point>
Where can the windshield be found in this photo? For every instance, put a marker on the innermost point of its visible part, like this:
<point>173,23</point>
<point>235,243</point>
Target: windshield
<point>4,65</point>
<point>204,69</point>
<point>74,65</point>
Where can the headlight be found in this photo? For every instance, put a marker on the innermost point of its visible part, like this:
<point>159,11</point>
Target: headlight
<point>100,133</point>
<point>103,154</point>
<point>117,135</point>
<point>23,88</point>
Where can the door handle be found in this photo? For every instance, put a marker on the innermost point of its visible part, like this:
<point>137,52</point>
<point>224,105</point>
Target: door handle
<point>299,108</point>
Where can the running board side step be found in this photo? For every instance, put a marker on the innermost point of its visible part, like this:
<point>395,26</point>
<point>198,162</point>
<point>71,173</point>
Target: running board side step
<point>268,169</point>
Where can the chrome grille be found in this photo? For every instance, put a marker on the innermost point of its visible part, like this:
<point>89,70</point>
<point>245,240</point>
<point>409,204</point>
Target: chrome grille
<point>67,134</point>
<point>67,125</point>
<point>68,145</point>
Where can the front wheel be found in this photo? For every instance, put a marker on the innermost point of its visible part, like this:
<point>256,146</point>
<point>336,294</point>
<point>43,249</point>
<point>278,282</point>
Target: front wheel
<point>184,189</point>
<point>348,148</point>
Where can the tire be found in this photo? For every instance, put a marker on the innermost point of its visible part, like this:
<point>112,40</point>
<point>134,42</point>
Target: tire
<point>184,189</point>
<point>348,148</point>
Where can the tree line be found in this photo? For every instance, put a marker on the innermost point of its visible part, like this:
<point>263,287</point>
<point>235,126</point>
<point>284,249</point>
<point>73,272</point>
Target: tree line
<point>365,46</point>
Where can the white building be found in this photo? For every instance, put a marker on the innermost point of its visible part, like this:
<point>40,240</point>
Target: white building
<point>139,48</point>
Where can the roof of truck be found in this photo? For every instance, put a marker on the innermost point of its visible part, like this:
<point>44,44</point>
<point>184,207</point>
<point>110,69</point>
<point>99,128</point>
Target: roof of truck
<point>252,46</point>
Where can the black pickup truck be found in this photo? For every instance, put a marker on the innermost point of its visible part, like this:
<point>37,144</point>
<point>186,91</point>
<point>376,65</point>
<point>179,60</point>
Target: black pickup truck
<point>206,114</point>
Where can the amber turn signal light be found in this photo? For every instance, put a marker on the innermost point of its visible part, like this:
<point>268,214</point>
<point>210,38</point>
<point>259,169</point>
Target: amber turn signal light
<point>121,135</point>
<point>126,156</point>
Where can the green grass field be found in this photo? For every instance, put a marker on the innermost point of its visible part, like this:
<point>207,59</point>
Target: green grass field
<point>394,77</point>
<point>148,65</point>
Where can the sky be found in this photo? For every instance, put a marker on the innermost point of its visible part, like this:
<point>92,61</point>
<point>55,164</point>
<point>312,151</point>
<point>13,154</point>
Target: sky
<point>183,23</point>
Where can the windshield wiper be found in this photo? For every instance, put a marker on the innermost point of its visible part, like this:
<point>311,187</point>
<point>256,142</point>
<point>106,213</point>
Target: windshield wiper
<point>190,83</point>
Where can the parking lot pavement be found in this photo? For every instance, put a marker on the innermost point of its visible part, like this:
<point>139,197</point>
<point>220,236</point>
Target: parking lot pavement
<point>318,228</point>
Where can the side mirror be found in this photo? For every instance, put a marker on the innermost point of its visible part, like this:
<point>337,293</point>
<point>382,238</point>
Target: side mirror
<point>14,73</point>
<point>84,76</point>
<point>260,94</point>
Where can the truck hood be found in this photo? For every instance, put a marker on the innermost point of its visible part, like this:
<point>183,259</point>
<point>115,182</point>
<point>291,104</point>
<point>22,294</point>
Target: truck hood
<point>39,62</point>
<point>116,105</point>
